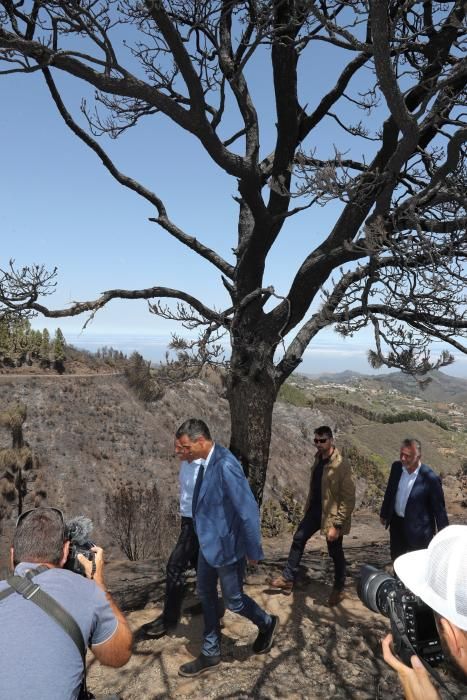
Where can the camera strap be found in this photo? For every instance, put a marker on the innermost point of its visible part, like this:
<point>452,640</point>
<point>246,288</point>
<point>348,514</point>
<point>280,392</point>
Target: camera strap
<point>438,679</point>
<point>408,644</point>
<point>25,586</point>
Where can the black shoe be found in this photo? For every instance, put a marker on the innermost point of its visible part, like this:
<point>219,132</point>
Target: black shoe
<point>263,641</point>
<point>200,665</point>
<point>157,628</point>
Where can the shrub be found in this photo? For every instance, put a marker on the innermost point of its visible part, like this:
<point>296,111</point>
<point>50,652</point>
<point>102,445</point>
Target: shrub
<point>140,520</point>
<point>291,508</point>
<point>140,379</point>
<point>273,520</point>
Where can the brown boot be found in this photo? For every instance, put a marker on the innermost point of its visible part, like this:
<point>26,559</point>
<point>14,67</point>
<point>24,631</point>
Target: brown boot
<point>282,583</point>
<point>336,597</point>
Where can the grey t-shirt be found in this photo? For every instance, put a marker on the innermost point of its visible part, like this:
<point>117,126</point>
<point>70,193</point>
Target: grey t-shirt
<point>38,658</point>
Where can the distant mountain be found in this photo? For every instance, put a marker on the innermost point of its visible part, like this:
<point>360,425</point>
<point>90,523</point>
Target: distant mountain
<point>348,375</point>
<point>442,386</point>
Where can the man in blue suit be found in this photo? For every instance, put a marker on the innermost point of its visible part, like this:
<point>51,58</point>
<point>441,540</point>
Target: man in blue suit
<point>227,522</point>
<point>413,506</point>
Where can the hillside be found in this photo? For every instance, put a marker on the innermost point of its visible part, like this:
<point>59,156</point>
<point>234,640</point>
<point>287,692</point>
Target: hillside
<point>376,403</point>
<point>441,387</point>
<point>91,432</point>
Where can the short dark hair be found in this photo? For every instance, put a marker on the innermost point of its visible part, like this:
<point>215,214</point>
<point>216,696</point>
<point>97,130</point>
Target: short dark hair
<point>324,431</point>
<point>39,537</point>
<point>408,442</point>
<point>193,428</point>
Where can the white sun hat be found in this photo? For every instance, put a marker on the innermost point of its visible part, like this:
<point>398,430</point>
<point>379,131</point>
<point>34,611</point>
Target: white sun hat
<point>438,575</point>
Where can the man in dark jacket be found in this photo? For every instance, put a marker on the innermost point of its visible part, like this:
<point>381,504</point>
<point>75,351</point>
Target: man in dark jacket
<point>413,506</point>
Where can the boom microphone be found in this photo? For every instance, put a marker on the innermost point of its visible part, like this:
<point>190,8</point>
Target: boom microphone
<point>79,529</point>
<point>77,532</point>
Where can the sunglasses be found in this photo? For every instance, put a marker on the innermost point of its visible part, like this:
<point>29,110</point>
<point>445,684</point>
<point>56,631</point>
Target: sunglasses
<point>25,514</point>
<point>320,440</point>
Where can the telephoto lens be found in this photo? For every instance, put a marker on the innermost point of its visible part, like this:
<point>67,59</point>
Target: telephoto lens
<point>412,621</point>
<point>374,587</point>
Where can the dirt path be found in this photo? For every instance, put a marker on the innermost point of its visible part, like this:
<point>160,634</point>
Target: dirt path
<point>56,376</point>
<point>319,652</point>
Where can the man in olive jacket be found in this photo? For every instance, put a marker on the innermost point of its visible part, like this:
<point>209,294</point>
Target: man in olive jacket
<point>329,506</point>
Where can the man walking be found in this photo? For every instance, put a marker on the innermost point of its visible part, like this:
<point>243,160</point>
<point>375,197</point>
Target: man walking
<point>184,554</point>
<point>330,502</point>
<point>413,506</point>
<point>226,519</point>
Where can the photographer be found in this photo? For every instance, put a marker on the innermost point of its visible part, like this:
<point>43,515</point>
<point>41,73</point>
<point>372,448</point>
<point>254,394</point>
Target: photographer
<point>438,575</point>
<point>39,657</point>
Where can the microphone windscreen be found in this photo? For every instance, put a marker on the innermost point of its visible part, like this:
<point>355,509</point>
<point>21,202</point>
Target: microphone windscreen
<point>79,529</point>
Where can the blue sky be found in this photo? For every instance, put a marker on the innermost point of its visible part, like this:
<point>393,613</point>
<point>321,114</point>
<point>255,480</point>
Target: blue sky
<point>60,207</point>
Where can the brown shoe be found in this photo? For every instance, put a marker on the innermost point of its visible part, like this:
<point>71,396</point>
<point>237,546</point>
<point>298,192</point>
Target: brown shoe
<point>336,597</point>
<point>282,583</point>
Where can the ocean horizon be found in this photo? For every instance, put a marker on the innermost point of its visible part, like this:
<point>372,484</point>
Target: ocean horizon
<point>319,358</point>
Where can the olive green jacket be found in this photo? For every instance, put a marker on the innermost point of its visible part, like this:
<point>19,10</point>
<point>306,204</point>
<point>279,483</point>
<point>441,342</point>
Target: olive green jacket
<point>337,493</point>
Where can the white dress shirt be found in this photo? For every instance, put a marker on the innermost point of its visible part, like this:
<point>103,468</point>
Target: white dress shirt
<point>187,477</point>
<point>404,488</point>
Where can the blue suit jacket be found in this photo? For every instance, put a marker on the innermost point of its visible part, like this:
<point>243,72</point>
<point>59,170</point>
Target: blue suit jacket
<point>425,511</point>
<point>227,516</point>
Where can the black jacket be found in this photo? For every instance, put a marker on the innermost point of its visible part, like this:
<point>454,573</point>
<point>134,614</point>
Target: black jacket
<point>425,512</point>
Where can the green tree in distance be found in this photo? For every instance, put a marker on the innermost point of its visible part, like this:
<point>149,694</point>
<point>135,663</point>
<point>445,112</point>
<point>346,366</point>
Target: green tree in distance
<point>59,351</point>
<point>45,349</point>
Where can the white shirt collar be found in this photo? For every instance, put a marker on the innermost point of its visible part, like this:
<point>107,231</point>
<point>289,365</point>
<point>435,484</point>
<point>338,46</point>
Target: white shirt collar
<point>206,461</point>
<point>414,473</point>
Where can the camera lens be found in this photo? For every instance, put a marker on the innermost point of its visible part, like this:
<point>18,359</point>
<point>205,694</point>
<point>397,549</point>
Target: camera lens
<point>374,587</point>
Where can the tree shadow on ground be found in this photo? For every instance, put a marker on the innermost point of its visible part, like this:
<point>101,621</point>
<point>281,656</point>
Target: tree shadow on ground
<point>318,653</point>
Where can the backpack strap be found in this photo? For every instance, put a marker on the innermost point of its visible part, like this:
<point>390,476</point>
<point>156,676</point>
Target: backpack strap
<point>33,592</point>
<point>6,592</point>
<point>25,586</point>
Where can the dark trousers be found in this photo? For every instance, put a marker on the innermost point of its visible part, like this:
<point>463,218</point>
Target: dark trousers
<point>184,555</point>
<point>398,541</point>
<point>310,524</point>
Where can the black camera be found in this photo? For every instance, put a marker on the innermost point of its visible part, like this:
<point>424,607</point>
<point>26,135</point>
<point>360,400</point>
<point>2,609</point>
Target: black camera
<point>77,532</point>
<point>412,621</point>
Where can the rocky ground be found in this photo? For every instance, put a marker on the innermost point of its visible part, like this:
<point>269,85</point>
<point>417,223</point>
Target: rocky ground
<point>319,652</point>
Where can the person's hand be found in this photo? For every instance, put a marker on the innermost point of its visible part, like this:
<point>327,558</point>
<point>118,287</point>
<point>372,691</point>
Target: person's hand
<point>333,534</point>
<point>87,564</point>
<point>416,680</point>
<point>252,562</point>
<point>383,521</point>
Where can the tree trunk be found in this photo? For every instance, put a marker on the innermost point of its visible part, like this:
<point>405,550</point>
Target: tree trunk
<point>251,400</point>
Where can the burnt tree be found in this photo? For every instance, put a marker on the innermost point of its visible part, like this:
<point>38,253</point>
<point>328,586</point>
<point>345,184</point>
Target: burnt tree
<point>19,467</point>
<point>394,257</point>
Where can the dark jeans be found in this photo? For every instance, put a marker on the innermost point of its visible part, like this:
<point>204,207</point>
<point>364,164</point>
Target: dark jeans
<point>184,555</point>
<point>231,580</point>
<point>310,524</point>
